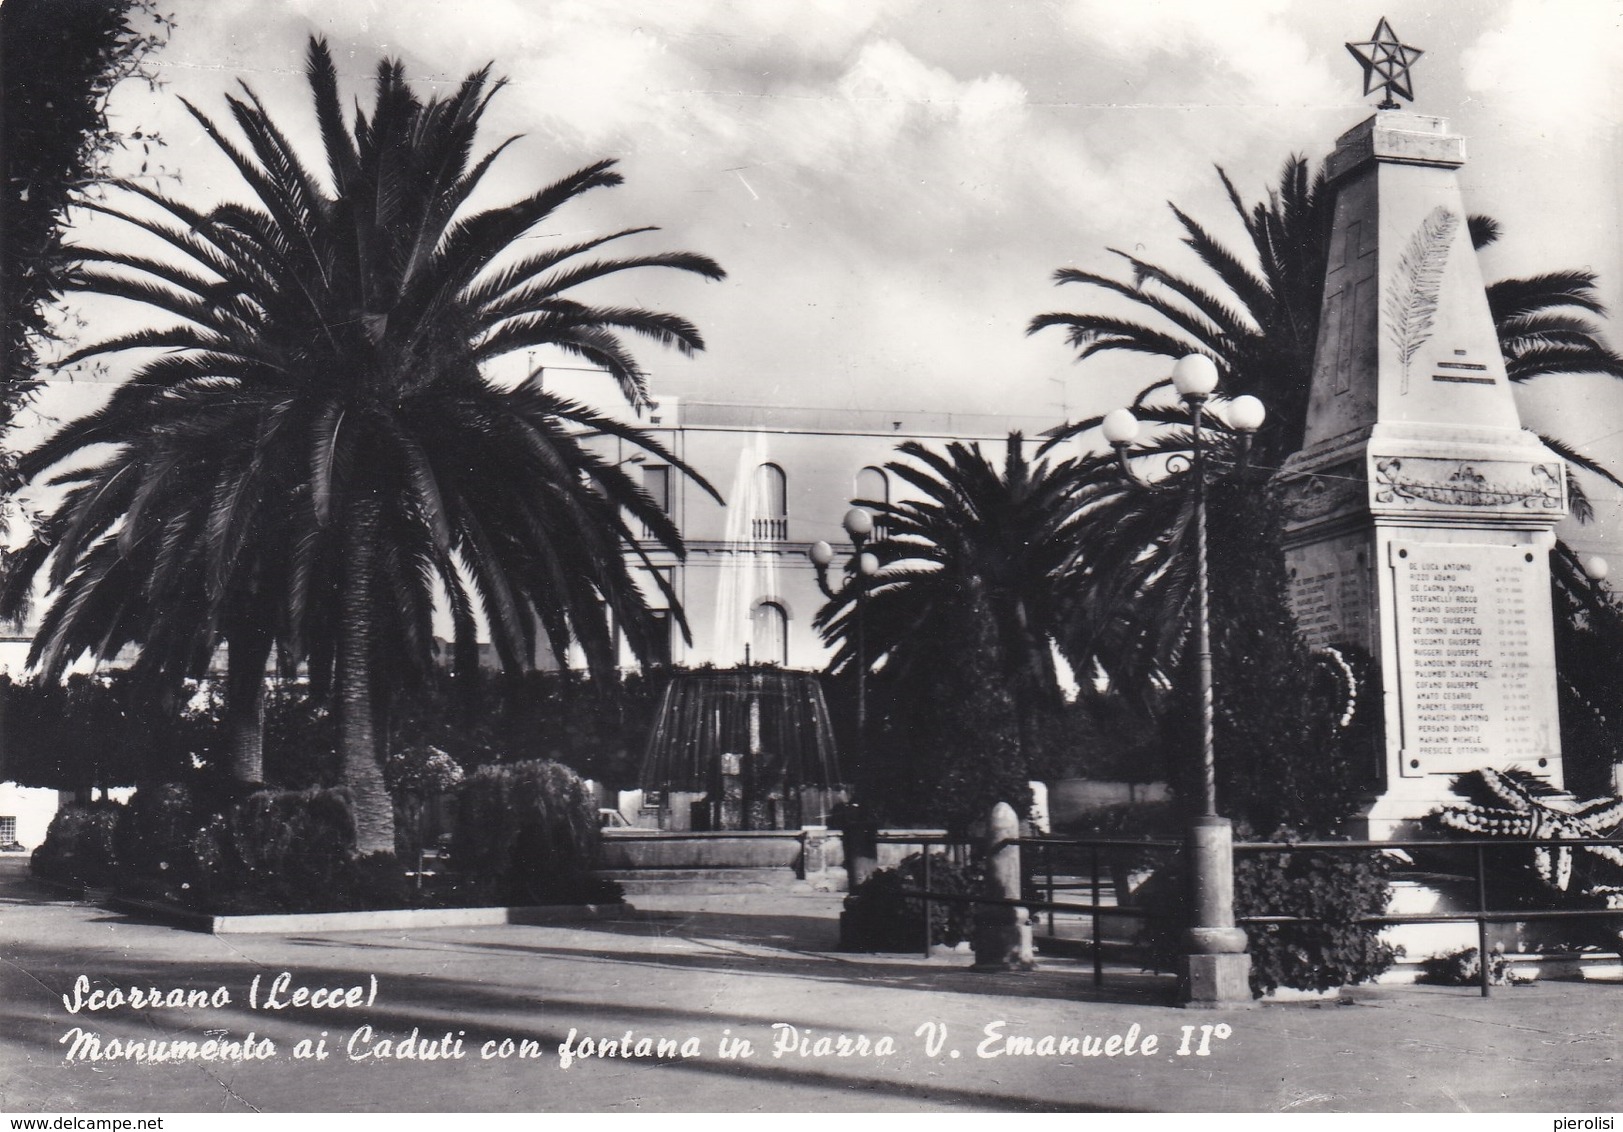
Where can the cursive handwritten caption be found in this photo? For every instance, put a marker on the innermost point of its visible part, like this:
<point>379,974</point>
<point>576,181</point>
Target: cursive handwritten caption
<point>779,1040</point>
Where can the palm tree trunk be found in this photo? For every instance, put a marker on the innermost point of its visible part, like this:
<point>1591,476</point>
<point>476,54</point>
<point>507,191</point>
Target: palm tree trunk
<point>247,650</point>
<point>357,723</point>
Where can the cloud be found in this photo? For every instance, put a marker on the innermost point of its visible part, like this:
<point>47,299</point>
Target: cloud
<point>1552,67</point>
<point>891,184</point>
<point>1210,53</point>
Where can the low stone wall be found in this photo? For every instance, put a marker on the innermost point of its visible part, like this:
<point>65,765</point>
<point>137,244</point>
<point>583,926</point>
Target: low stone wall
<point>1071,800</point>
<point>387,919</point>
<point>808,853</point>
<point>805,852</point>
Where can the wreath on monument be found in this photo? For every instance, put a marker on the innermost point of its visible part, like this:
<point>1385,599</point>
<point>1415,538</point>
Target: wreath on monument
<point>1515,804</point>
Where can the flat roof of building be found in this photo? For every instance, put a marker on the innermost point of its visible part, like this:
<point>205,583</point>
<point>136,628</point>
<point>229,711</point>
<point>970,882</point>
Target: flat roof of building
<point>870,422</point>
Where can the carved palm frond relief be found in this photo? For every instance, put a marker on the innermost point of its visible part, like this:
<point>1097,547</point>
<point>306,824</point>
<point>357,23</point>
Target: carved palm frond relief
<point>1411,303</point>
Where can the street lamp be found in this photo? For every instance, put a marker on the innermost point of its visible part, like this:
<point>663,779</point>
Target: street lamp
<point>1216,968</point>
<point>858,524</point>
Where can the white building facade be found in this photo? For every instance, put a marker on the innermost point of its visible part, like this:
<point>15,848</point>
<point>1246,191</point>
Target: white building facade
<point>787,476</point>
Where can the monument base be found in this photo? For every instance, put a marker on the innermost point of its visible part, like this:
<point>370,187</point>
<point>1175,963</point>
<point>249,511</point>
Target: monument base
<point>1215,981</point>
<point>1433,896</point>
<point>1396,814</point>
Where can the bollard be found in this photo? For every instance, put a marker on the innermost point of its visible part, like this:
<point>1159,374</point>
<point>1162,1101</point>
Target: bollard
<point>859,836</point>
<point>1002,931</point>
<point>814,844</point>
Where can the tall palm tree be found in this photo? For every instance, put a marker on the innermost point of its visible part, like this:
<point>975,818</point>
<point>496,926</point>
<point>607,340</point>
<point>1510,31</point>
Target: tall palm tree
<point>967,563</point>
<point>337,328</point>
<point>972,526</point>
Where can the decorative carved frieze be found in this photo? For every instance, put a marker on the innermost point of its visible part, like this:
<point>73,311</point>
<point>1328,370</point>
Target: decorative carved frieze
<point>1422,481</point>
<point>1315,495</point>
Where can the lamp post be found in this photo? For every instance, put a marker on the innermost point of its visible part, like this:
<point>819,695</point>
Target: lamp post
<point>1216,969</point>
<point>858,524</point>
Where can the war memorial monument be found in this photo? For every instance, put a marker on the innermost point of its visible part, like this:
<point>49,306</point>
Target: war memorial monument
<point>1421,512</point>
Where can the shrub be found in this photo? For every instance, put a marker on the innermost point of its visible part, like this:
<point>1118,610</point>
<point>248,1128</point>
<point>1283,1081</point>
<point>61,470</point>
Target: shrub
<point>80,846</point>
<point>422,769</point>
<point>191,844</point>
<point>1306,761</point>
<point>281,851</point>
<point>154,839</point>
<point>957,737</point>
<point>373,881</point>
<point>596,727</point>
<point>527,833</point>
<point>1333,891</point>
<point>1126,821</point>
<point>417,778</point>
<point>880,916</point>
<point>101,730</point>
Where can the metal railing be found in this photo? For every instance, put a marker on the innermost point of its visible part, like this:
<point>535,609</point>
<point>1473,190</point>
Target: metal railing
<point>1051,875</point>
<point>1052,882</point>
<point>1477,849</point>
<point>1095,849</point>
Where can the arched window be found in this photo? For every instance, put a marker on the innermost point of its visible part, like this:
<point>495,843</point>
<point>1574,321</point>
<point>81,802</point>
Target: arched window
<point>770,624</point>
<point>873,485</point>
<point>770,514</point>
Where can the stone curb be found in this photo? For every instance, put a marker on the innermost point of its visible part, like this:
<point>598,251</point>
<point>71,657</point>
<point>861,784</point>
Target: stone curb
<point>378,920</point>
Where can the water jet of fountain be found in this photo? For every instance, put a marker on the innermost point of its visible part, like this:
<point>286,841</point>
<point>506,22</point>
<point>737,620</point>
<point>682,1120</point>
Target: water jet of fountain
<point>749,567</point>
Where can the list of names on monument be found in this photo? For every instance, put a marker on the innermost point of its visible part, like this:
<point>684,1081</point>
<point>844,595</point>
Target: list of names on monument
<point>1465,670</point>
<point>1329,593</point>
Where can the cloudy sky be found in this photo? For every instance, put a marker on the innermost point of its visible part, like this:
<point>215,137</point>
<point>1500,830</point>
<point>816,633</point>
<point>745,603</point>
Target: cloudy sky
<point>890,184</point>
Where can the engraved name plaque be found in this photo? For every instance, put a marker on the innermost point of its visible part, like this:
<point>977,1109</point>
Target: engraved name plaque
<point>1330,592</point>
<point>1472,692</point>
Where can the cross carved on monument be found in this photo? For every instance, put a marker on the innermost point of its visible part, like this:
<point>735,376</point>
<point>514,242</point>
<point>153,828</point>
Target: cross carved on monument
<point>1350,287</point>
<point>1386,63</point>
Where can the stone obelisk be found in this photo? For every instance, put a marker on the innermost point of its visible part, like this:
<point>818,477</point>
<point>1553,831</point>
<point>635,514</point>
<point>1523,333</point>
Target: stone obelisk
<point>1421,512</point>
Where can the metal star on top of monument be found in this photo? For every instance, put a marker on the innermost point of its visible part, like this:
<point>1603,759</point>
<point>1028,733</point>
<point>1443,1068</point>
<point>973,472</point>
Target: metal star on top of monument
<point>1386,64</point>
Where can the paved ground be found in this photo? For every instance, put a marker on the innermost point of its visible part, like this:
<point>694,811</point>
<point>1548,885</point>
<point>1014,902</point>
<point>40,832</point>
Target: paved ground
<point>718,968</point>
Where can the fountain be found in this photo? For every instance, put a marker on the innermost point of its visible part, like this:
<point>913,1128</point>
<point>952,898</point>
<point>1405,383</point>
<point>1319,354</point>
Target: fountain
<point>740,772</point>
<point>749,563</point>
<point>740,749</point>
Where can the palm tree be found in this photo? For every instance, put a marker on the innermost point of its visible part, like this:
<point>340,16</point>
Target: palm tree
<point>1127,587</point>
<point>145,583</point>
<point>974,526</point>
<point>966,584</point>
<point>1588,643</point>
<point>1259,322</point>
<point>324,363</point>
